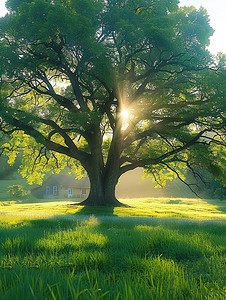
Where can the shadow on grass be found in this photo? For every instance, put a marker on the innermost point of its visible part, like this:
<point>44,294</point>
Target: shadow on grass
<point>174,201</point>
<point>167,238</point>
<point>97,211</point>
<point>72,240</point>
<point>219,204</point>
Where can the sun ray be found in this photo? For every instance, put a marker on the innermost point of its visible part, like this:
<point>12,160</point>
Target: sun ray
<point>125,114</point>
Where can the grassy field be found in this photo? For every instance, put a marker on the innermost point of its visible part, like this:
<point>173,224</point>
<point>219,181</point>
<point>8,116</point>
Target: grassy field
<point>193,208</point>
<point>157,249</point>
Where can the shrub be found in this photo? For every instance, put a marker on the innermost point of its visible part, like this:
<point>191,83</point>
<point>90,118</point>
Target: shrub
<point>219,194</point>
<point>17,190</point>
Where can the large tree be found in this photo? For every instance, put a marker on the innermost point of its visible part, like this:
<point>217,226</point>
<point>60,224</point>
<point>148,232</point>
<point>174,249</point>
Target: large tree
<point>112,85</point>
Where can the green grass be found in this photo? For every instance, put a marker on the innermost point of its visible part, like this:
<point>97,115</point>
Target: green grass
<point>57,250</point>
<point>199,209</point>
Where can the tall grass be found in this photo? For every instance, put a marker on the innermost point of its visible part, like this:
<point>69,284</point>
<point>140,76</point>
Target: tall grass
<point>96,257</point>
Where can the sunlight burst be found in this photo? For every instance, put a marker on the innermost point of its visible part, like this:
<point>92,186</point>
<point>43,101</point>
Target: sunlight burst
<point>125,114</point>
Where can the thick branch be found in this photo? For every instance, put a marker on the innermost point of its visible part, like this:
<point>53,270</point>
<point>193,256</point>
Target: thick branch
<point>153,161</point>
<point>64,67</point>
<point>71,150</point>
<point>73,77</point>
<point>63,101</point>
<point>161,127</point>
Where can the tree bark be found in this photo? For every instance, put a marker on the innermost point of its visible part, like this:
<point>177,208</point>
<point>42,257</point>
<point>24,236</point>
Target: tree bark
<point>103,176</point>
<point>102,191</point>
<point>103,181</point>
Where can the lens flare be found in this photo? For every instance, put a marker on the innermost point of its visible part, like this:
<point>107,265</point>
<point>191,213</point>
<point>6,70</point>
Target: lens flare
<point>125,114</point>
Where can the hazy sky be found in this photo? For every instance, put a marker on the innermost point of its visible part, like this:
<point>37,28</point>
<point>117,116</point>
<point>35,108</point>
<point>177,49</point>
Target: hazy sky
<point>217,13</point>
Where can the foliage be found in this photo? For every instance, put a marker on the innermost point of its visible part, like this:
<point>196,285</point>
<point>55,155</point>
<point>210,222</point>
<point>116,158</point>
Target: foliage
<point>109,86</point>
<point>215,190</point>
<point>17,191</point>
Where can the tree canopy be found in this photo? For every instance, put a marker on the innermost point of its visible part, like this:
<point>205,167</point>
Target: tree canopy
<point>109,86</point>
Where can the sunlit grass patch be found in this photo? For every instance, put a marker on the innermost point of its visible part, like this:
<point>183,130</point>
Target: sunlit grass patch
<point>72,240</point>
<point>173,207</point>
<point>96,257</point>
<point>13,213</point>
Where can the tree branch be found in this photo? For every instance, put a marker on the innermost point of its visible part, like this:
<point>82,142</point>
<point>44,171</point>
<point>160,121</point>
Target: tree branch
<point>153,161</point>
<point>59,99</point>
<point>179,177</point>
<point>161,127</point>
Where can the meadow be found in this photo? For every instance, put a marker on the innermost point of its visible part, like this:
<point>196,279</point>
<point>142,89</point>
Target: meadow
<point>162,248</point>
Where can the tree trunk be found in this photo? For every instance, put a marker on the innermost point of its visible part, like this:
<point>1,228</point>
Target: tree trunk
<point>103,177</point>
<point>103,180</point>
<point>102,191</point>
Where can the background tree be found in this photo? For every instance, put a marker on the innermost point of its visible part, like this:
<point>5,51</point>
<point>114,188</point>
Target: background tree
<point>7,171</point>
<point>110,86</point>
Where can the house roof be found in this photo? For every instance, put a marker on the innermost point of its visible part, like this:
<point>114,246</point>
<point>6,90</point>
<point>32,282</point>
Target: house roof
<point>67,181</point>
